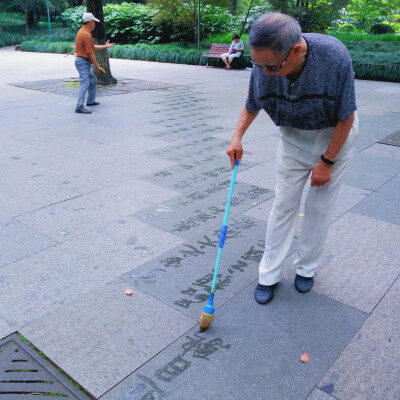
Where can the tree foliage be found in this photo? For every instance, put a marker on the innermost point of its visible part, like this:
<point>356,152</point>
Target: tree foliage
<point>367,12</point>
<point>183,12</point>
<point>313,15</point>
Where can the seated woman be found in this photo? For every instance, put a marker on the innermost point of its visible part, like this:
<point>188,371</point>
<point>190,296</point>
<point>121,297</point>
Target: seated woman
<point>235,50</point>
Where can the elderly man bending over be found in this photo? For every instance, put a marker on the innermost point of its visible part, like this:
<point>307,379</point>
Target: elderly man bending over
<point>305,83</point>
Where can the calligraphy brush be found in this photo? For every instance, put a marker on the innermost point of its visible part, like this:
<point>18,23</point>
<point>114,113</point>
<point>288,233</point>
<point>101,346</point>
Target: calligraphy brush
<point>208,314</point>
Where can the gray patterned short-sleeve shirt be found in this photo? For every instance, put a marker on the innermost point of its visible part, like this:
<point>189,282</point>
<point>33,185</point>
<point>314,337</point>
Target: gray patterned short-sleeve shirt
<point>320,96</point>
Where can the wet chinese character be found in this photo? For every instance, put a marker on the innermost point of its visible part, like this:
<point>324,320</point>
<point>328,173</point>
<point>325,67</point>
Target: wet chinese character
<point>173,369</point>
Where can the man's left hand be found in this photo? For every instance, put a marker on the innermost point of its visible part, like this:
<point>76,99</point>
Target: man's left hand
<point>321,174</point>
<point>108,44</point>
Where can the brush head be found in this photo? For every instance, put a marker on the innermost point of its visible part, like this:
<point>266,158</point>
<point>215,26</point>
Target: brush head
<point>205,321</point>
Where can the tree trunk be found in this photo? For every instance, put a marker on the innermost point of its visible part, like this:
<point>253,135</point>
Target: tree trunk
<point>31,18</point>
<point>24,6</point>
<point>96,8</point>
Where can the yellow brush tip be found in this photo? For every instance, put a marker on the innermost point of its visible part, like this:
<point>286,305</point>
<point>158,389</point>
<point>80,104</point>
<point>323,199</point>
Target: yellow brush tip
<point>205,321</point>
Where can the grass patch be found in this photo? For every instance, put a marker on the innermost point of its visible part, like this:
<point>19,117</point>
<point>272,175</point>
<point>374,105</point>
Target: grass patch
<point>76,85</point>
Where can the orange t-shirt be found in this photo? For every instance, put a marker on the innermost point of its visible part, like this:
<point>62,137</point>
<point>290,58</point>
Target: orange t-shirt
<point>84,43</point>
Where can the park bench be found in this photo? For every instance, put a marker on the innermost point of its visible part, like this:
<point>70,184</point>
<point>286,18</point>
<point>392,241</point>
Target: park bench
<point>215,53</point>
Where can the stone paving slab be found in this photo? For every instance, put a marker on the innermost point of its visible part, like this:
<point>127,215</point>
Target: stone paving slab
<point>384,150</point>
<point>359,250</point>
<point>25,241</point>
<point>62,170</point>
<point>198,211</point>
<point>383,170</point>
<point>348,198</point>
<point>54,277</point>
<point>182,277</point>
<point>31,193</point>
<point>195,173</point>
<point>375,128</point>
<point>74,217</point>
<point>317,394</point>
<point>257,130</point>
<point>358,376</point>
<point>363,144</point>
<point>390,102</point>
<point>262,175</point>
<point>182,152</point>
<point>5,328</point>
<point>383,204</point>
<point>261,150</point>
<point>261,344</point>
<point>196,131</point>
<point>104,336</point>
<point>391,188</point>
<point>380,334</point>
<point>380,206</point>
<point>128,164</point>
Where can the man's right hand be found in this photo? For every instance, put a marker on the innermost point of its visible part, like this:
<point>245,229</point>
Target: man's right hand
<point>235,150</point>
<point>101,69</point>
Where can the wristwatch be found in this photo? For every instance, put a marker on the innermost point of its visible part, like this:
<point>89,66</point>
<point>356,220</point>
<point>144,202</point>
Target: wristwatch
<point>327,160</point>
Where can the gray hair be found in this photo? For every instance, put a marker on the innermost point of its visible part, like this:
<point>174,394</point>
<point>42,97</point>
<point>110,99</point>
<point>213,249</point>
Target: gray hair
<point>275,31</point>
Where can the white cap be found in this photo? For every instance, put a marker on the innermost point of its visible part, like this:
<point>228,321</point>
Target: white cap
<point>89,17</point>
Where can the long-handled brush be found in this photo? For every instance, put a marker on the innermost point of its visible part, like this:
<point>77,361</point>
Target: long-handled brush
<point>208,314</point>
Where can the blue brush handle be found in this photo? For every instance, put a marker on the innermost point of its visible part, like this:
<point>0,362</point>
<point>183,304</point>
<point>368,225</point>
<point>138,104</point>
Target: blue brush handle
<point>224,226</point>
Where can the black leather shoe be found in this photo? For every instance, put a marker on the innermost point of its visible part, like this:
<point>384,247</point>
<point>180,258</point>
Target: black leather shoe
<point>303,284</point>
<point>96,103</point>
<point>82,110</point>
<point>264,293</point>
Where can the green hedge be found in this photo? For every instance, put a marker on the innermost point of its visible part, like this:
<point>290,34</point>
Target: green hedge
<point>161,53</point>
<point>372,60</point>
<point>45,47</point>
<point>9,39</point>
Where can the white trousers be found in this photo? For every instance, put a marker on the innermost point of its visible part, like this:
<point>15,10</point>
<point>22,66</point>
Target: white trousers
<point>298,153</point>
<point>232,56</point>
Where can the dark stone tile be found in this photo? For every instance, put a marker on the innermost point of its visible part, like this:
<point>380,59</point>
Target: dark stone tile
<point>171,135</point>
<point>198,211</point>
<point>182,277</point>
<point>249,351</point>
<point>368,171</point>
<point>184,151</point>
<point>380,206</point>
<point>195,173</point>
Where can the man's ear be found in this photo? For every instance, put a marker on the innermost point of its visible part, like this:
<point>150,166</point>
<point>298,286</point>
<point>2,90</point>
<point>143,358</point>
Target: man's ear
<point>297,49</point>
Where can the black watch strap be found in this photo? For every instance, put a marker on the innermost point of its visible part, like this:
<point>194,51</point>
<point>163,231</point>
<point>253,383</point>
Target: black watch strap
<point>327,160</point>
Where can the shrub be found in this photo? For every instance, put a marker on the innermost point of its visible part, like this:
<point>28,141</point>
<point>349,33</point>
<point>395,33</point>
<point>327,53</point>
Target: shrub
<point>171,53</point>
<point>73,17</point>
<point>9,39</point>
<point>347,28</point>
<point>380,29</point>
<point>45,47</point>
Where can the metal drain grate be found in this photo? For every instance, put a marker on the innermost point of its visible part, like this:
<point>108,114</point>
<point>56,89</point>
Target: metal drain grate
<point>145,85</point>
<point>393,139</point>
<point>59,86</point>
<point>24,373</point>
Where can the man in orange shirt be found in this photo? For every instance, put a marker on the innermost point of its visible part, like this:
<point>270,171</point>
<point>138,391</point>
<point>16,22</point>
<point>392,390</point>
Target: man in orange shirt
<point>85,49</point>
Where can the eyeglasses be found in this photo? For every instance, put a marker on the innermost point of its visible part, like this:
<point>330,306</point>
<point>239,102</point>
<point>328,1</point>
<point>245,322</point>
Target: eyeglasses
<point>273,67</point>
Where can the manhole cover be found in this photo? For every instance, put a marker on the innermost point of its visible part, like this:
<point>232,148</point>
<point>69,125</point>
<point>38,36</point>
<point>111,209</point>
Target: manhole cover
<point>145,85</point>
<point>67,87</point>
<point>24,373</point>
<point>393,139</point>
